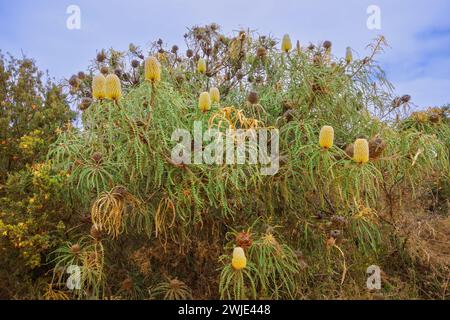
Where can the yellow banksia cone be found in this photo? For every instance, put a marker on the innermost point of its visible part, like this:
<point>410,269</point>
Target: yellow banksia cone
<point>98,87</point>
<point>326,137</point>
<point>152,69</point>
<point>239,260</point>
<point>204,102</point>
<point>113,87</point>
<point>286,44</point>
<point>215,95</point>
<point>361,151</point>
<point>201,66</point>
<point>349,55</point>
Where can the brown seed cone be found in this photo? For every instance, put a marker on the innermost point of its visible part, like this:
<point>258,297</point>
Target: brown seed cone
<point>253,97</point>
<point>96,233</point>
<point>376,147</point>
<point>261,52</point>
<point>85,103</point>
<point>434,118</point>
<point>127,284</point>
<point>244,240</point>
<point>101,56</point>
<point>104,70</point>
<point>135,63</point>
<point>327,44</point>
<point>97,157</point>
<point>75,248</point>
<point>349,150</point>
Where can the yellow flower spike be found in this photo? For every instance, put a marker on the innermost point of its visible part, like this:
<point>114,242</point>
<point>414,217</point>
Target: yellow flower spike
<point>286,44</point>
<point>201,66</point>
<point>326,137</point>
<point>113,87</point>
<point>349,55</point>
<point>152,70</point>
<point>239,260</point>
<point>204,102</point>
<point>361,151</point>
<point>215,95</point>
<point>98,87</point>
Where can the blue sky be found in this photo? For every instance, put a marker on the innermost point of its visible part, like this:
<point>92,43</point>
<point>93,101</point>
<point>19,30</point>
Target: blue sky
<point>417,62</point>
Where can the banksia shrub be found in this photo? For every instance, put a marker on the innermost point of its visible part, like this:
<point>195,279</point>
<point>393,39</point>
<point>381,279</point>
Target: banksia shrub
<point>201,66</point>
<point>113,87</point>
<point>286,44</point>
<point>361,151</point>
<point>239,260</point>
<point>204,102</point>
<point>215,95</point>
<point>99,87</point>
<point>326,137</point>
<point>349,55</point>
<point>152,69</point>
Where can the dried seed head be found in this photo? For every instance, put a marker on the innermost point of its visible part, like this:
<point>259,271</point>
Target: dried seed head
<point>239,260</point>
<point>135,64</point>
<point>74,81</point>
<point>118,72</point>
<point>406,98</point>
<point>97,157</point>
<point>101,56</point>
<point>261,52</point>
<point>311,47</point>
<point>214,26</point>
<point>434,118</point>
<point>121,191</point>
<point>326,137</point>
<point>215,95</point>
<point>174,49</point>
<point>361,151</point>
<point>127,284</point>
<point>204,102</point>
<point>201,66</point>
<point>152,69</point>
<point>244,240</point>
<point>85,103</point>
<point>95,232</point>
<point>159,42</point>
<point>99,87</point>
<point>75,249</point>
<point>104,70</point>
<point>189,53</point>
<point>179,77</point>
<point>81,75</point>
<point>340,220</point>
<point>286,44</point>
<point>376,147</point>
<point>349,150</point>
<point>327,45</point>
<point>113,87</point>
<point>253,97</point>
<point>397,102</point>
